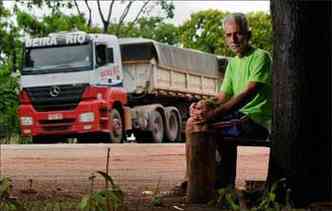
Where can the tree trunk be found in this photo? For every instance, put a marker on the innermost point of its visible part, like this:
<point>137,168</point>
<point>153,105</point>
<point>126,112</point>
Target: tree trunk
<point>201,166</point>
<point>301,133</point>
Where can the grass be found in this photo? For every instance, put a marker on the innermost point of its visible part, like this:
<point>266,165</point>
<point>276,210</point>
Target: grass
<point>15,139</point>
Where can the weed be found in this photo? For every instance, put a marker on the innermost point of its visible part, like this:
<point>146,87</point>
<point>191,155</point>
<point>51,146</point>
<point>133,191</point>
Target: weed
<point>230,199</point>
<point>269,198</point>
<point>156,197</point>
<point>156,201</point>
<point>50,205</point>
<point>6,202</point>
<point>100,200</point>
<point>227,198</point>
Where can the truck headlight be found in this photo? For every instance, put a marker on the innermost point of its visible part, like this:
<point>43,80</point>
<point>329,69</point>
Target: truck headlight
<point>26,120</point>
<point>99,96</point>
<point>87,117</point>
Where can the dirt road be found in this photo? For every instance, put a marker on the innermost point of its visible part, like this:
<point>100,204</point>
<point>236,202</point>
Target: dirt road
<point>63,170</point>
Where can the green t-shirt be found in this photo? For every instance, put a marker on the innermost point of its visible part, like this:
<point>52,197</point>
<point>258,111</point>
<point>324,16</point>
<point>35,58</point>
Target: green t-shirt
<point>254,66</point>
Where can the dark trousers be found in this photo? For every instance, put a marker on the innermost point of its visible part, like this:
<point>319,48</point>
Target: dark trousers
<point>226,168</point>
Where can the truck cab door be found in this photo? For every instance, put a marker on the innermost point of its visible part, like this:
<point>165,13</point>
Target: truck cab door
<point>107,68</point>
<point>100,55</point>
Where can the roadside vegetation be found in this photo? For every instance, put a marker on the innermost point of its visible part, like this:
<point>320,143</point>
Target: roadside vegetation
<point>112,198</point>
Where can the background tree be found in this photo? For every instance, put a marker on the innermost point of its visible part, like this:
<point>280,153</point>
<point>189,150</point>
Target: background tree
<point>8,104</point>
<point>55,22</point>
<point>9,46</point>
<point>261,27</point>
<point>108,18</point>
<point>203,31</point>
<point>5,34</point>
<point>152,28</point>
<point>58,20</point>
<point>301,133</point>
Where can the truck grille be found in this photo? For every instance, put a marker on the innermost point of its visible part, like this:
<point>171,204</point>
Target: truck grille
<point>56,125</point>
<point>66,97</point>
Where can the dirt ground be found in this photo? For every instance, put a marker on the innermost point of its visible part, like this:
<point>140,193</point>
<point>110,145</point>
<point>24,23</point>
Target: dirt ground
<point>62,171</point>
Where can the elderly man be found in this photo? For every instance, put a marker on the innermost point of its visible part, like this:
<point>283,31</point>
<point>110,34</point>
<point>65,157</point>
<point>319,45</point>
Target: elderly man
<point>245,96</point>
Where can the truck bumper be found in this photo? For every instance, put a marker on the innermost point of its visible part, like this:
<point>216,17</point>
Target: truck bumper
<point>66,123</point>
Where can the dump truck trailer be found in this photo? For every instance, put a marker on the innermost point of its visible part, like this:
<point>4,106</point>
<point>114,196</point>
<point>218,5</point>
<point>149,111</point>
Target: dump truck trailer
<point>97,87</point>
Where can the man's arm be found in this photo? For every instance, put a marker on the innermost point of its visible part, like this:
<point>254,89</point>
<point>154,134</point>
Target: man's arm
<point>222,98</point>
<point>234,103</point>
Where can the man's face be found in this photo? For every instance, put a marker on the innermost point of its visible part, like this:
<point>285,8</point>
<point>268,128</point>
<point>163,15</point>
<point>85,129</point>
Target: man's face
<point>236,39</point>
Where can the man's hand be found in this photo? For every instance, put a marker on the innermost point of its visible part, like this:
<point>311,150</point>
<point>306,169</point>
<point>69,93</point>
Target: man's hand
<point>198,112</point>
<point>203,112</point>
<point>192,109</point>
<point>210,115</point>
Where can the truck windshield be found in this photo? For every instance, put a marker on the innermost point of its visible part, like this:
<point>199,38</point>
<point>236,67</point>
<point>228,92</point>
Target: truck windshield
<point>57,59</point>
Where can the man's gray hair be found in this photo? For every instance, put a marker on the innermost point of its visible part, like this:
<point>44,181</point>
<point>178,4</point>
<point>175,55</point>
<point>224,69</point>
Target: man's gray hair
<point>240,19</point>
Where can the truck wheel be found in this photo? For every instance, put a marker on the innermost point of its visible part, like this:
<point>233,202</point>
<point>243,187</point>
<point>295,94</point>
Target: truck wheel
<point>157,127</point>
<point>173,129</point>
<point>117,132</point>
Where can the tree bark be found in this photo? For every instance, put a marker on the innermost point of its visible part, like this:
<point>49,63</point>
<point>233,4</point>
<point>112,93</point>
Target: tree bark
<point>301,133</point>
<point>201,166</point>
<point>90,12</point>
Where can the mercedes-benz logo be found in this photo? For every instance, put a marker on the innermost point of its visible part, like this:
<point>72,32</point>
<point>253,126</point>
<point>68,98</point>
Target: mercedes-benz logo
<point>55,91</point>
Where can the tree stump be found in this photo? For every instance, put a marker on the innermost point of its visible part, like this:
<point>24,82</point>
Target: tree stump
<point>201,166</point>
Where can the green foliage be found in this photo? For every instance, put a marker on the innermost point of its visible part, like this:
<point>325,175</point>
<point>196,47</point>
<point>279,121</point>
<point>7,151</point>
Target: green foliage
<point>8,104</point>
<point>8,36</point>
<point>156,197</point>
<point>9,55</point>
<point>204,31</point>
<point>54,5</point>
<point>168,7</point>
<point>109,197</point>
<point>50,205</point>
<point>261,26</point>
<point>151,28</point>
<point>52,23</point>
<point>269,202</point>
<point>6,202</point>
<point>156,201</point>
<point>229,199</point>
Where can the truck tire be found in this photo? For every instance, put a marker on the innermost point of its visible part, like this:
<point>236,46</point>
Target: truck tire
<point>173,125</point>
<point>157,127</point>
<point>117,131</point>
